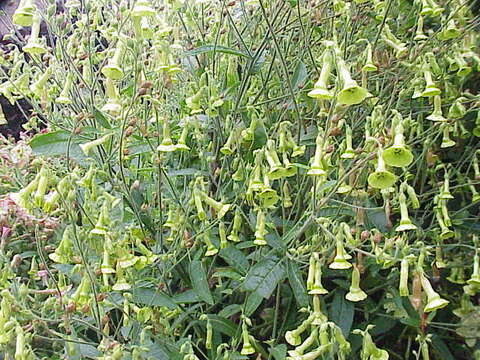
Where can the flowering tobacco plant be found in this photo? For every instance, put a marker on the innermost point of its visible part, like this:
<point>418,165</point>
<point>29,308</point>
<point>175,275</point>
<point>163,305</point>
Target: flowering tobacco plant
<point>242,180</point>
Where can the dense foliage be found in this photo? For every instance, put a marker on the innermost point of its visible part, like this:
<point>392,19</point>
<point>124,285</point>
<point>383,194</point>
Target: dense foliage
<point>242,180</point>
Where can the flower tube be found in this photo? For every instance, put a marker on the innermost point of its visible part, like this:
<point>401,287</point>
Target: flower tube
<point>317,287</point>
<point>381,178</point>
<point>260,231</point>
<point>247,348</point>
<point>293,337</point>
<point>64,97</point>
<point>398,154</point>
<point>405,222</point>
<point>430,87</point>
<point>308,342</point>
<point>23,15</point>
<point>113,69</point>
<point>276,169</point>
<point>320,89</point>
<point>349,153</point>
<point>38,87</point>
<point>434,301</point>
<point>237,223</point>
<point>317,167</point>
<point>88,146</point>
<point>355,293</point>
<point>369,65</point>
<point>419,34</point>
<point>403,288</point>
<point>34,46</point>
<point>475,278</point>
<point>340,261</point>
<point>351,93</point>
<point>220,208</point>
<point>167,144</point>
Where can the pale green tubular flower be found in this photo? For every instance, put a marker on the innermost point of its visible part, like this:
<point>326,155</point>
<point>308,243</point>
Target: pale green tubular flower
<point>355,294</point>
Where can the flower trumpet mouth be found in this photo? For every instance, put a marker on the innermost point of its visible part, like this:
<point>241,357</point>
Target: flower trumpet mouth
<point>276,172</point>
<point>352,94</point>
<point>316,171</point>
<point>320,89</point>
<point>381,179</point>
<point>142,8</point>
<point>23,16</point>
<point>112,71</point>
<point>431,91</point>
<point>88,146</point>
<point>435,304</point>
<point>34,48</point>
<point>397,155</point>
<point>320,93</point>
<point>405,225</point>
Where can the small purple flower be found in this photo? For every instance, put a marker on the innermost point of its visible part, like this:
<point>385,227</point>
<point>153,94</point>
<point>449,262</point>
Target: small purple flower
<point>6,231</point>
<point>43,274</point>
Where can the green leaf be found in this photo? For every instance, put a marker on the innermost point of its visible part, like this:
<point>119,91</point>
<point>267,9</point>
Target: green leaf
<point>198,276</point>
<point>257,64</point>
<point>235,258</point>
<point>410,322</point>
<point>299,76</point>
<point>273,240</point>
<point>87,351</point>
<point>227,273</point>
<point>341,312</point>
<point>301,166</point>
<point>223,325</point>
<point>376,218</point>
<point>296,283</point>
<point>252,302</point>
<point>147,296</point>
<point>414,318</point>
<point>186,297</point>
<point>139,148</point>
<point>158,351</point>
<point>264,276</point>
<point>439,346</point>
<point>230,310</point>
<point>216,48</point>
<point>382,325</point>
<point>138,198</point>
<point>334,211</point>
<point>236,356</point>
<point>187,172</point>
<point>56,143</point>
<point>259,137</point>
<point>102,120</point>
<point>279,352</point>
<point>470,226</point>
